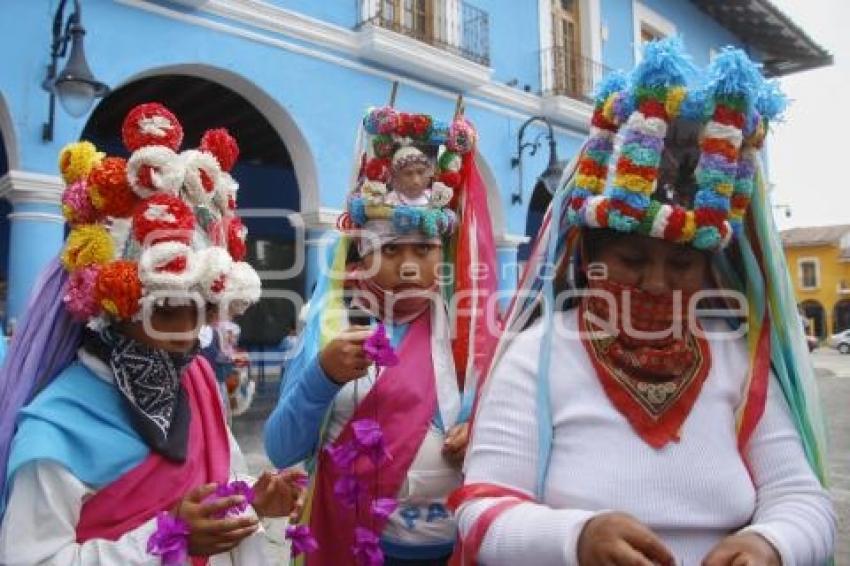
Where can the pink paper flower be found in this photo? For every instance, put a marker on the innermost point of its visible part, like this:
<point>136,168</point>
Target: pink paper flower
<point>301,481</point>
<point>170,540</point>
<point>303,541</point>
<point>343,455</point>
<point>237,487</point>
<point>80,298</point>
<point>367,550</point>
<point>383,507</point>
<point>378,348</point>
<point>348,489</point>
<point>370,440</point>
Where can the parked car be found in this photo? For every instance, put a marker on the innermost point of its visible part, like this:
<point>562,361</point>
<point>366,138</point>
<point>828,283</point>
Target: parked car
<point>841,341</point>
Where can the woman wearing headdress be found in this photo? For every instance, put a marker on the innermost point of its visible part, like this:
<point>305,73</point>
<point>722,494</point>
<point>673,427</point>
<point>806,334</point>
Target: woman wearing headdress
<point>631,427</point>
<point>113,445</point>
<point>381,410</point>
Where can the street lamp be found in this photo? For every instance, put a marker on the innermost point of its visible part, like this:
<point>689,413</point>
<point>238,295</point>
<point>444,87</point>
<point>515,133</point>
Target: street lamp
<point>75,85</point>
<point>552,175</point>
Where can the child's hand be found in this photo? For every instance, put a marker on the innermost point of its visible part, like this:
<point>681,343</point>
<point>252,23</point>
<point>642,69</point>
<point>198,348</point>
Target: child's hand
<point>208,535</point>
<point>344,359</point>
<point>274,495</point>
<point>454,447</point>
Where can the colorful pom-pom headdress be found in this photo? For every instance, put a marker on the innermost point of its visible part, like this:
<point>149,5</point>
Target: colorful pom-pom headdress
<point>718,204</point>
<point>157,224</point>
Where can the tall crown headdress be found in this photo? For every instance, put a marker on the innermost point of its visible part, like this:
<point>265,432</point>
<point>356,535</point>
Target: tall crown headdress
<point>633,115</point>
<point>157,224</point>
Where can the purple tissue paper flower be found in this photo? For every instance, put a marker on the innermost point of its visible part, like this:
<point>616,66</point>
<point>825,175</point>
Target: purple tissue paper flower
<point>367,550</point>
<point>383,507</point>
<point>343,455</point>
<point>301,481</point>
<point>170,540</point>
<point>303,541</point>
<point>378,348</point>
<point>348,490</point>
<point>370,439</point>
<point>236,487</point>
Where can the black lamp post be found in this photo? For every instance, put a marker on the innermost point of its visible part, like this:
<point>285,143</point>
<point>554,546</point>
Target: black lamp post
<point>550,177</point>
<point>75,85</point>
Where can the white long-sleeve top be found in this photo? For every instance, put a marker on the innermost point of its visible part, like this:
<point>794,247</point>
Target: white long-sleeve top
<point>691,493</point>
<point>40,524</point>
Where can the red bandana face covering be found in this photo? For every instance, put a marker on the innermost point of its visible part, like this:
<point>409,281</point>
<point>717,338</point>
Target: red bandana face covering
<point>651,365</point>
<point>397,308</point>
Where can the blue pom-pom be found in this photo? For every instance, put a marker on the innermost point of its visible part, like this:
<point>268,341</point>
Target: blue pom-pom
<point>439,132</point>
<point>771,101</point>
<point>664,63</point>
<point>406,218</point>
<point>706,238</point>
<point>695,106</point>
<point>733,73</point>
<point>612,82</point>
<point>357,210</point>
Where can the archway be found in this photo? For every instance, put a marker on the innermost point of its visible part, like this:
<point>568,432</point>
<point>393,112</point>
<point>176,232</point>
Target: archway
<point>540,199</point>
<point>266,174</point>
<point>815,318</point>
<point>841,315</point>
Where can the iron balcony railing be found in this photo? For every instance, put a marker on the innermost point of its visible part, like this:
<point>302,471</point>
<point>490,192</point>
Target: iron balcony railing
<point>452,25</point>
<point>566,73</point>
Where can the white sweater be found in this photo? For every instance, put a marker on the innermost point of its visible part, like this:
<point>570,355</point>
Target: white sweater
<point>691,493</point>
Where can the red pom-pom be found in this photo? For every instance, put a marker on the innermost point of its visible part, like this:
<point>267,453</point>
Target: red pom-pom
<point>109,190</point>
<point>236,236</point>
<point>163,213</point>
<point>378,170</point>
<point>420,124</point>
<point>151,124</point>
<point>451,179</point>
<point>222,145</point>
<point>118,289</point>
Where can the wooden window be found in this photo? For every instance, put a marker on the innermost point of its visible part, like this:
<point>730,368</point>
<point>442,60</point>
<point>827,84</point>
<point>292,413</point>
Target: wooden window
<point>415,17</point>
<point>808,274</point>
<point>566,41</point>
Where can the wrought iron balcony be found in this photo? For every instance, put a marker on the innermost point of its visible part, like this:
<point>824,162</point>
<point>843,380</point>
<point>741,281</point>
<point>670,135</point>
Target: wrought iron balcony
<point>566,73</point>
<point>452,25</point>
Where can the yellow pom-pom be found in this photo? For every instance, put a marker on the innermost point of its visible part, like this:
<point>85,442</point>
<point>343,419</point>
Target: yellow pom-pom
<point>675,97</point>
<point>689,228</point>
<point>77,159</point>
<point>635,183</point>
<point>89,244</point>
<point>593,184</point>
<point>608,107</point>
<point>724,189</point>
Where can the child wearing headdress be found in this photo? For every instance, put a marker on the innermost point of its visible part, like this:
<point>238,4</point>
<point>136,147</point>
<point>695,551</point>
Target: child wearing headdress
<point>113,445</point>
<point>381,410</point>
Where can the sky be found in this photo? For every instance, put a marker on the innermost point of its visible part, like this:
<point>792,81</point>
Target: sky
<point>807,151</point>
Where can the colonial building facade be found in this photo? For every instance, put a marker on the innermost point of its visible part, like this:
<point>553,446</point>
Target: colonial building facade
<point>292,78</point>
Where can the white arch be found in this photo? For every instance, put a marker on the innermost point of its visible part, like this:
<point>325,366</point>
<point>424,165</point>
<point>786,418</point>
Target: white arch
<point>10,140</point>
<point>290,134</point>
<point>494,196</point>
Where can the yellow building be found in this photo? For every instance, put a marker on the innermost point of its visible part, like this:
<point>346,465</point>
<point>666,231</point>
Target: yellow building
<point>819,264</point>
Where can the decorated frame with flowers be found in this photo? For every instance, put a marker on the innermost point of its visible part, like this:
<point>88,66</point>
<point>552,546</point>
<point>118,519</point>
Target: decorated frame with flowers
<point>389,132</point>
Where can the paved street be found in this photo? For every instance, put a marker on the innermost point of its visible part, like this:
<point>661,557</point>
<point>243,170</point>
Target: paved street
<point>833,371</point>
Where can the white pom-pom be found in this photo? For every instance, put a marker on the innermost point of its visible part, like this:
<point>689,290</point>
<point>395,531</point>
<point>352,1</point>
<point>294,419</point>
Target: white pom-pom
<point>169,266</point>
<point>200,164</point>
<point>166,171</point>
<point>243,288</point>
<point>441,195</point>
<point>214,266</point>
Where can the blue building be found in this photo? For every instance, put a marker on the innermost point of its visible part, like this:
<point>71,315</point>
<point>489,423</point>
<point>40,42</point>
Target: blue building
<point>292,78</point>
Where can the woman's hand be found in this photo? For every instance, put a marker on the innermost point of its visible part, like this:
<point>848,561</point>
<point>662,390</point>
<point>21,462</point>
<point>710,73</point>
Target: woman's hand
<point>617,538</point>
<point>746,549</point>
<point>208,535</point>
<point>344,359</point>
<point>454,447</point>
<point>278,494</point>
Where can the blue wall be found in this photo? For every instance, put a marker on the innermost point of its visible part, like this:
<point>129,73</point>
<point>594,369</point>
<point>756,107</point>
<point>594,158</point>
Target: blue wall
<point>322,91</point>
